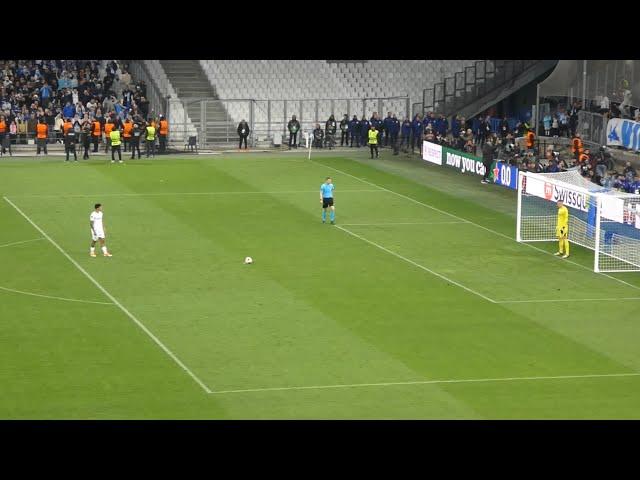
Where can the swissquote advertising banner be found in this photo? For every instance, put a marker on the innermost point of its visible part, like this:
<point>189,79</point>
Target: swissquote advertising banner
<point>462,161</point>
<point>638,216</point>
<point>432,152</point>
<point>623,133</point>
<point>552,192</point>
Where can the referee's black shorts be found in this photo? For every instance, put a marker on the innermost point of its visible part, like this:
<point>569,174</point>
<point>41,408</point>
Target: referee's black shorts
<point>327,202</point>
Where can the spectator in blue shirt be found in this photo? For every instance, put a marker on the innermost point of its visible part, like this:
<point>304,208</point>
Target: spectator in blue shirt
<point>435,125</point>
<point>386,125</point>
<point>629,172</point>
<point>394,129</point>
<point>416,131</point>
<point>632,185</point>
<point>354,129</point>
<point>553,167</point>
<point>68,111</point>
<point>546,121</point>
<point>406,132</point>
<point>455,127</point>
<point>443,126</point>
<point>364,131</point>
<point>45,94</point>
<point>430,121</point>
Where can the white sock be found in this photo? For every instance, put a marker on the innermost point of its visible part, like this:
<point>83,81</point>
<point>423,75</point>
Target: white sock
<point>104,249</point>
<point>93,249</point>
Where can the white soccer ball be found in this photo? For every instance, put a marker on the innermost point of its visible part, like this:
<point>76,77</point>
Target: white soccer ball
<point>248,260</point>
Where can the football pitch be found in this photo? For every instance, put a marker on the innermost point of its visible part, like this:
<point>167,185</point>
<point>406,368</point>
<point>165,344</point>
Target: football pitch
<point>418,303</point>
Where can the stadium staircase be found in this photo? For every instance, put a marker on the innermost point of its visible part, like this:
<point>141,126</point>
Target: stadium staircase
<point>192,85</point>
<point>501,79</point>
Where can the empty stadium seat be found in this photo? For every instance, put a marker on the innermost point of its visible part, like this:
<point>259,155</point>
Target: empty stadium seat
<point>317,79</point>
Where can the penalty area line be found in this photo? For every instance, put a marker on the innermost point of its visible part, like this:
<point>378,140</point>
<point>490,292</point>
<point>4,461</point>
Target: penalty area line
<point>568,300</point>
<point>31,294</point>
<point>400,223</point>
<point>21,242</point>
<point>384,249</point>
<point>430,382</point>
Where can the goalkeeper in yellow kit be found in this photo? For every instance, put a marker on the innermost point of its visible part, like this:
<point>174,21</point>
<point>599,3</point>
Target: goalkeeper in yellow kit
<point>562,230</point>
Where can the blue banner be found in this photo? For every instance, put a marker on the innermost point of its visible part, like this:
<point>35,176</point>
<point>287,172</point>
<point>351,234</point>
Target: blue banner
<point>506,175</point>
<point>624,133</point>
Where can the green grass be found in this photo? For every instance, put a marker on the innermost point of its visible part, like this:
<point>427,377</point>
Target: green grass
<point>321,305</point>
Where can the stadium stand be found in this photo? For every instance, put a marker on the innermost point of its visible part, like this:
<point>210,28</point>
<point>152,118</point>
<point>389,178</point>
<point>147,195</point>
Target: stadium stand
<point>320,79</point>
<point>56,89</point>
<point>310,79</point>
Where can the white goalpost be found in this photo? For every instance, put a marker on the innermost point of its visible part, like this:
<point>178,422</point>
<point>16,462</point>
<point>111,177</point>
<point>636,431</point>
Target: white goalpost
<point>603,220</point>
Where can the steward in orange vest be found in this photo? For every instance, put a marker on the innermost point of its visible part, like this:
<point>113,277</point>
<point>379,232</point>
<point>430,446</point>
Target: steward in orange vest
<point>42,131</point>
<point>66,126</point>
<point>96,134</point>
<point>163,132</point>
<point>577,146</point>
<point>107,138</point>
<point>3,133</point>
<point>530,138</point>
<point>127,129</point>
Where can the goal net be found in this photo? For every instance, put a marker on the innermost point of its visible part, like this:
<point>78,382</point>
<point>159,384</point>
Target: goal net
<point>603,220</point>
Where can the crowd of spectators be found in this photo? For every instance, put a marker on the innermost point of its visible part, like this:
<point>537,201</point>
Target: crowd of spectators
<point>516,146</point>
<point>80,91</point>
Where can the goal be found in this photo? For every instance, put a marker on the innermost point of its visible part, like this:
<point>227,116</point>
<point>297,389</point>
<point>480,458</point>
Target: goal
<point>603,220</point>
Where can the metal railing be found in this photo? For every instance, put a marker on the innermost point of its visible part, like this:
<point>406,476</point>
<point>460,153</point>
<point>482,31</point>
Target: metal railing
<point>464,87</point>
<point>592,127</point>
<point>216,120</point>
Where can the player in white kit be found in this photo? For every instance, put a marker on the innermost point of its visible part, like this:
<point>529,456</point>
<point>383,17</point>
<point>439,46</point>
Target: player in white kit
<point>97,231</point>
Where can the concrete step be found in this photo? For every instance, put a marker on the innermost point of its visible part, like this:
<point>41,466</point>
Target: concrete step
<point>190,81</point>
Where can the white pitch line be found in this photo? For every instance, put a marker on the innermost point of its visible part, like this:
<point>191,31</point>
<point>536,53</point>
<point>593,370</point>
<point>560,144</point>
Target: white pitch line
<point>430,382</point>
<point>415,264</point>
<point>162,194</point>
<point>470,222</point>
<point>22,241</point>
<point>112,298</point>
<point>399,223</point>
<point>569,300</point>
<point>53,297</point>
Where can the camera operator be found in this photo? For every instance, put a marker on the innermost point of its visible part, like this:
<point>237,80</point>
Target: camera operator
<point>318,136</point>
<point>330,128</point>
<point>488,151</point>
<point>293,126</point>
<point>344,129</point>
